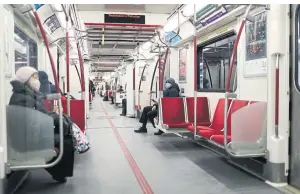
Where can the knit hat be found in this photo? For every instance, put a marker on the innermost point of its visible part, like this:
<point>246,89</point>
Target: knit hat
<point>24,73</point>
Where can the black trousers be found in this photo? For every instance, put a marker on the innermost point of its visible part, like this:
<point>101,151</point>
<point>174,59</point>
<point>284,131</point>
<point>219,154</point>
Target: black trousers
<point>148,114</point>
<point>124,108</point>
<point>112,99</point>
<point>66,165</point>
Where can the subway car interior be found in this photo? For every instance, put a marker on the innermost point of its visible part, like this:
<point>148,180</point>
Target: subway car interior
<point>149,98</point>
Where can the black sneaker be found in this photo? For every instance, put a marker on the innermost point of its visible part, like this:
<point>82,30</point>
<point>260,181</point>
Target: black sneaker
<point>141,130</point>
<point>159,132</point>
<point>60,179</point>
<point>122,114</point>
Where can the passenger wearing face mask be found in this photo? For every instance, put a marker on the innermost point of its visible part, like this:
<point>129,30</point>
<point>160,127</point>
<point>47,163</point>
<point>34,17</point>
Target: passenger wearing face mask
<point>150,112</point>
<point>26,93</point>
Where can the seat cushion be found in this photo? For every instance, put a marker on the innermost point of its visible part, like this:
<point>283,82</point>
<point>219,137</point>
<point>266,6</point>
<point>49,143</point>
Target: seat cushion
<point>207,123</point>
<point>200,127</point>
<point>220,139</point>
<point>177,125</point>
<point>208,133</point>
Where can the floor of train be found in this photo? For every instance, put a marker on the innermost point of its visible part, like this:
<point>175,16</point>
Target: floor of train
<point>121,161</point>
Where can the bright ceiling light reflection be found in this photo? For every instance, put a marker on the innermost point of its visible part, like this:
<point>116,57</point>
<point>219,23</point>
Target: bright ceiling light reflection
<point>58,7</point>
<point>187,10</point>
<point>62,19</point>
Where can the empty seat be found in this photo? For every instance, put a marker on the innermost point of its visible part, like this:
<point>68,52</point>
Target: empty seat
<point>235,105</point>
<point>217,123</point>
<point>173,112</point>
<point>77,113</point>
<point>202,111</point>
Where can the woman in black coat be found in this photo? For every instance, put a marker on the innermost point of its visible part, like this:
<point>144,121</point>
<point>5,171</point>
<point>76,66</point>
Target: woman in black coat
<point>26,93</point>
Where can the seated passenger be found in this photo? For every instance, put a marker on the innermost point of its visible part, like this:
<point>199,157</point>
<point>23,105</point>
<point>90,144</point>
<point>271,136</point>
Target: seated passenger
<point>52,88</point>
<point>120,89</point>
<point>45,87</point>
<point>150,112</point>
<point>26,93</point>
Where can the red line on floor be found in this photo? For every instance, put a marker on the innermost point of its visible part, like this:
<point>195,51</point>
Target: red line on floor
<point>134,167</point>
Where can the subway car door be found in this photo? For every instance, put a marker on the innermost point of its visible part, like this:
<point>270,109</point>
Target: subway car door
<point>294,174</point>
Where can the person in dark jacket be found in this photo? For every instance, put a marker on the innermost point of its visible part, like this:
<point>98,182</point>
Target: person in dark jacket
<point>150,112</point>
<point>52,88</point>
<point>45,84</point>
<point>26,93</point>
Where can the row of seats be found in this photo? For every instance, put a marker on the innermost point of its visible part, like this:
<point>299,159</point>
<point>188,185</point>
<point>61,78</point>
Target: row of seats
<point>181,115</point>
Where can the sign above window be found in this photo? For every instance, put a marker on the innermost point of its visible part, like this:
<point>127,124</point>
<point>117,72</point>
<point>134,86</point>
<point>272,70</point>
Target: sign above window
<point>124,19</point>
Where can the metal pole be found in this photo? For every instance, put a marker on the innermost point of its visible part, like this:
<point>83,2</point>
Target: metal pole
<point>68,66</point>
<point>38,20</point>
<point>195,74</point>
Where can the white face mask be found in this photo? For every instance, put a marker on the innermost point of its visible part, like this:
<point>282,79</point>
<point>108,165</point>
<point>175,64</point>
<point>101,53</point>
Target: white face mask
<point>34,84</point>
<point>168,85</point>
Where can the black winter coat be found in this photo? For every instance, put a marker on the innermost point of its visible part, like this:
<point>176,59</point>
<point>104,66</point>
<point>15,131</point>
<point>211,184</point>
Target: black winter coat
<point>23,95</point>
<point>173,91</point>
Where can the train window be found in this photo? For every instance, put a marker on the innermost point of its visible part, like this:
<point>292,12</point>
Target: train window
<point>25,50</point>
<point>213,65</point>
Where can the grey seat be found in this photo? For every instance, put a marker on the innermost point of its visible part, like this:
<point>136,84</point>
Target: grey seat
<point>30,136</point>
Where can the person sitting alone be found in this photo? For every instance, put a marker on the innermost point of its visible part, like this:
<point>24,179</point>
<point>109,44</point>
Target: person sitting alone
<point>26,92</point>
<point>150,112</point>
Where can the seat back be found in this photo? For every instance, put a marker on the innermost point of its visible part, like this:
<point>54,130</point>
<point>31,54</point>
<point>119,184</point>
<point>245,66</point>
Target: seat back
<point>173,110</point>
<point>250,134</point>
<point>202,109</point>
<point>218,118</point>
<point>235,105</point>
<point>77,113</point>
<point>30,135</point>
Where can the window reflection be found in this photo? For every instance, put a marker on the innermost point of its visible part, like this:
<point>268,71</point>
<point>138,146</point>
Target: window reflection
<point>25,50</point>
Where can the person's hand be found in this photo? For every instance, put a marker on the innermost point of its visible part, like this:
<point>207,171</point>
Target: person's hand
<point>56,110</point>
<point>153,108</point>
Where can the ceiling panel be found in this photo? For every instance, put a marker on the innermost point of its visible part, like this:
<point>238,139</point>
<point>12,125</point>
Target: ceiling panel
<point>116,42</point>
<point>133,8</point>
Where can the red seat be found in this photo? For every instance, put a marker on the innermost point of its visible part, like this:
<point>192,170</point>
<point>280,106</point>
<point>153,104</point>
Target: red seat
<point>202,111</point>
<point>77,113</point>
<point>138,107</point>
<point>173,113</point>
<point>235,105</point>
<point>218,119</point>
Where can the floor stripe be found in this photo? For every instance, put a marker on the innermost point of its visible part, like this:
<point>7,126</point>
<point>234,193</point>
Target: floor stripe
<point>134,167</point>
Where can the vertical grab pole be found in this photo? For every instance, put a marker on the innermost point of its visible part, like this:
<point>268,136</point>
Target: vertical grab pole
<point>152,80</point>
<point>38,20</point>
<point>133,78</point>
<point>232,60</point>
<point>81,72</point>
<point>195,74</point>
<point>68,66</point>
